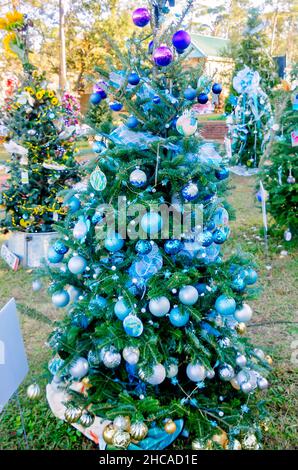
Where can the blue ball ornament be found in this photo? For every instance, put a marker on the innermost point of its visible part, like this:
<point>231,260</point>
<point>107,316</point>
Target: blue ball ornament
<point>201,288</point>
<point>133,326</point>
<point>114,242</point>
<point>150,47</point>
<point>178,318</point>
<point>60,299</point>
<point>77,264</point>
<point>216,88</point>
<point>121,309</point>
<point>116,106</point>
<point>181,40</point>
<point>202,98</point>
<point>251,276</point>
<point>151,223</point>
<point>132,122</point>
<point>225,305</point>
<point>133,78</point>
<point>81,320</point>
<point>60,248</point>
<point>73,203</point>
<point>141,17</point>
<point>97,303</point>
<point>219,237</point>
<point>207,238</point>
<point>211,225</point>
<point>190,94</point>
<point>143,247</point>
<point>238,284</point>
<point>156,99</point>
<point>53,256</point>
<point>97,217</point>
<point>95,98</point>
<point>172,247</point>
<point>222,174</point>
<point>190,191</point>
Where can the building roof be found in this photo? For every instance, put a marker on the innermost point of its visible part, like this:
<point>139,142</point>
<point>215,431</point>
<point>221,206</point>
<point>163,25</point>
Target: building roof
<point>207,46</point>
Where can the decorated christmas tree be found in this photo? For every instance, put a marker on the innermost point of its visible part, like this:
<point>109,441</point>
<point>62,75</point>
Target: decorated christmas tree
<point>38,131</point>
<point>251,120</point>
<point>279,172</point>
<point>151,352</point>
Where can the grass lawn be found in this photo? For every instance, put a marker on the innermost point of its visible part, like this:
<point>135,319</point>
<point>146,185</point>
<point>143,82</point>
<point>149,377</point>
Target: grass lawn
<point>273,328</point>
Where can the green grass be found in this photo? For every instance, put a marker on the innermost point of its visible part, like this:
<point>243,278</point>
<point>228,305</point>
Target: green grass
<point>272,328</point>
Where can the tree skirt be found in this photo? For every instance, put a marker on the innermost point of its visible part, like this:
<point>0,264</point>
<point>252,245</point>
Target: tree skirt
<point>242,170</point>
<point>56,397</point>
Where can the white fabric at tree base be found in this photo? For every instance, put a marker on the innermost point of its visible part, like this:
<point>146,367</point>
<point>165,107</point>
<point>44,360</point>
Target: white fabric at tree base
<point>56,397</point>
<point>242,170</point>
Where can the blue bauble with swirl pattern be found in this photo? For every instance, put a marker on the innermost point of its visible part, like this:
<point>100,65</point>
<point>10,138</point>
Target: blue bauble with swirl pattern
<point>172,247</point>
<point>225,305</point>
<point>133,326</point>
<point>143,247</point>
<point>190,191</point>
<point>114,242</point>
<point>53,256</point>
<point>60,248</point>
<point>178,317</point>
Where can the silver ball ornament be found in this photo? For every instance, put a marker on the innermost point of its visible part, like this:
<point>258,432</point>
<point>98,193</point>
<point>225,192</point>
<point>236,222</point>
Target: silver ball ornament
<point>111,359</point>
<point>226,372</point>
<point>196,372</point>
<point>33,392</point>
<point>172,370</point>
<point>86,419</point>
<point>241,360</point>
<point>157,377</point>
<point>72,414</point>
<point>262,383</point>
<point>244,314</point>
<point>79,368</point>
<point>159,307</point>
<point>246,387</point>
<point>131,355</point>
<point>188,295</point>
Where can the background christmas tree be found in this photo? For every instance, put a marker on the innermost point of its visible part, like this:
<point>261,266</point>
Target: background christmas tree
<point>281,161</point>
<point>153,336</point>
<point>39,134</point>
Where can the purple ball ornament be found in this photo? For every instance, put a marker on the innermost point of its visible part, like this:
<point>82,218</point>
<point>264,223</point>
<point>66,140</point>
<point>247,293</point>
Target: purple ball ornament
<point>162,56</point>
<point>141,17</point>
<point>181,40</point>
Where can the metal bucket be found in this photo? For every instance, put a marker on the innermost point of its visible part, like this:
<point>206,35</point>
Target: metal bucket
<point>31,248</point>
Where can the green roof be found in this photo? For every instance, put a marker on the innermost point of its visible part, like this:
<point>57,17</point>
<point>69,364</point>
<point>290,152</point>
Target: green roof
<point>207,46</point>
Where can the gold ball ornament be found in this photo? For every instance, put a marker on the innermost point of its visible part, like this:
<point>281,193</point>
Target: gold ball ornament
<point>122,423</point>
<point>87,419</point>
<point>121,439</point>
<point>265,426</point>
<point>72,414</point>
<point>33,392</point>
<point>170,427</point>
<point>241,328</point>
<point>235,384</point>
<point>250,442</point>
<point>233,444</point>
<point>108,433</point>
<point>220,438</point>
<point>269,360</point>
<point>138,431</point>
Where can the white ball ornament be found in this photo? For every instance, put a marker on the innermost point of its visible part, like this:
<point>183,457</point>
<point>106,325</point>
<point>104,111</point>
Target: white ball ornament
<point>79,368</point>
<point>246,387</point>
<point>259,353</point>
<point>186,125</point>
<point>131,355</point>
<point>77,264</point>
<point>138,178</point>
<point>244,314</point>
<point>160,306</point>
<point>188,295</point>
<point>158,375</point>
<point>111,359</point>
<point>196,372</point>
<point>241,360</point>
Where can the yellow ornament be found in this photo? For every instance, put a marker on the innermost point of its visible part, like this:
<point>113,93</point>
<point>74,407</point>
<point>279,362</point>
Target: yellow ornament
<point>220,438</point>
<point>241,328</point>
<point>264,426</point>
<point>170,427</point>
<point>122,423</point>
<point>138,431</point>
<point>121,439</point>
<point>269,360</point>
<point>108,433</point>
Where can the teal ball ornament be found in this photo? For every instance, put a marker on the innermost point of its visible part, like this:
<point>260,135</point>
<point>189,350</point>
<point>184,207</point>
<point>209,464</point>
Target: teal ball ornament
<point>188,295</point>
<point>172,247</point>
<point>222,174</point>
<point>98,179</point>
<point>251,276</point>
<point>77,264</point>
<point>114,242</point>
<point>225,305</point>
<point>159,307</point>
<point>79,368</point>
<point>238,284</point>
<point>143,247</point>
<point>178,318</point>
<point>133,326</point>
<point>121,309</point>
<point>151,223</point>
<point>132,122</point>
<point>60,248</point>
<point>138,178</point>
<point>60,298</point>
<point>219,236</point>
<point>243,314</point>
<point>73,204</point>
<point>53,256</point>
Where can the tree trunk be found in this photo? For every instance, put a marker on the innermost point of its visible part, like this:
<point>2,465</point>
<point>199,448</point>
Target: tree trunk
<point>62,64</point>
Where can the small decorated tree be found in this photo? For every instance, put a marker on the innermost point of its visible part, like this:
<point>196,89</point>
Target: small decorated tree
<point>38,131</point>
<point>151,350</point>
<point>251,120</point>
